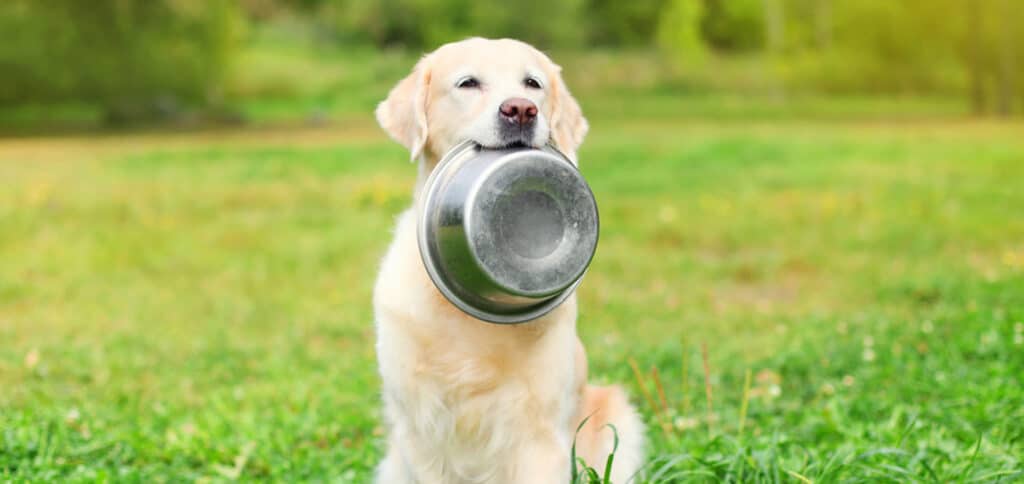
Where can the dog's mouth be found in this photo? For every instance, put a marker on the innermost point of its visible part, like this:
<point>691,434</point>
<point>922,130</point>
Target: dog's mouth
<point>507,145</point>
<point>517,144</point>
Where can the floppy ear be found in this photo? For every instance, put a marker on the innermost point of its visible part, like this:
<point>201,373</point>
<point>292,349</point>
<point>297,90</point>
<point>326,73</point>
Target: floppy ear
<point>568,126</point>
<point>403,115</point>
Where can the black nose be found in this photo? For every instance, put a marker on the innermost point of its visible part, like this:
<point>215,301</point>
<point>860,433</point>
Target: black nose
<point>518,111</point>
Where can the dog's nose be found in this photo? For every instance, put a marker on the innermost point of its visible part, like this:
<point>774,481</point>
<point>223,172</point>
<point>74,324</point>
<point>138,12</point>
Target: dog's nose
<point>518,111</point>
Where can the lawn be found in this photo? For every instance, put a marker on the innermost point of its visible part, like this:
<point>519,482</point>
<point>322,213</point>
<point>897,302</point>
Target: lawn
<point>196,306</point>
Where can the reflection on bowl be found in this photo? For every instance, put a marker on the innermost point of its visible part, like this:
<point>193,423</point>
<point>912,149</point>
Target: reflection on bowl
<point>506,235</point>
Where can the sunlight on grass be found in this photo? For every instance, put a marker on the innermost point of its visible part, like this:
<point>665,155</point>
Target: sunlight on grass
<point>197,306</point>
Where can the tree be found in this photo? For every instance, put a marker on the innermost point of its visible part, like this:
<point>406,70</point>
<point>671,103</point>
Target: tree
<point>425,24</point>
<point>733,26</point>
<point>131,58</point>
<point>1007,72</point>
<point>679,32</point>
<point>990,55</point>
<point>775,24</point>
<point>629,23</point>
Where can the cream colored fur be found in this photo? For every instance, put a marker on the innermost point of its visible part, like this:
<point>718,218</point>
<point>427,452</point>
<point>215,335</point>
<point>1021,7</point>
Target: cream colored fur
<point>467,401</point>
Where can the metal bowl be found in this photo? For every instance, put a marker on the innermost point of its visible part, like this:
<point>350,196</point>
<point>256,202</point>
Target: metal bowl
<point>507,234</point>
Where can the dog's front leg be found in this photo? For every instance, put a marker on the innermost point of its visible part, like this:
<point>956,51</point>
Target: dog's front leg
<point>408,463</point>
<point>393,469</point>
<point>543,462</point>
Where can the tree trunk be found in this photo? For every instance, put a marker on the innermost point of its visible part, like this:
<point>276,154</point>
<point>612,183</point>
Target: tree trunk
<point>823,24</point>
<point>1007,61</point>
<point>774,24</point>
<point>975,65</point>
<point>774,39</point>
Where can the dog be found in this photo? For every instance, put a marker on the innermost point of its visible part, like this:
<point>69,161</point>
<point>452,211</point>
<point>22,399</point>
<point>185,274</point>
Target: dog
<point>466,401</point>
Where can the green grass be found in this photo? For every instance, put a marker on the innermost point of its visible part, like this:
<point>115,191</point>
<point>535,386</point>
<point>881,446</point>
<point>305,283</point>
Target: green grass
<point>197,306</point>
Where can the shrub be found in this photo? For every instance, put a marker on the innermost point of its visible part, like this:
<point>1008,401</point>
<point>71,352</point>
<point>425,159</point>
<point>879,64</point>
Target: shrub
<point>131,58</point>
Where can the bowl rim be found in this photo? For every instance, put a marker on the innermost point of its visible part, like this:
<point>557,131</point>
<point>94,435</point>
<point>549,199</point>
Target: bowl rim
<point>430,263</point>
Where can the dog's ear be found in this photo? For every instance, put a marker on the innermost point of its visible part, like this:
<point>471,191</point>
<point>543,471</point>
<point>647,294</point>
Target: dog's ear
<point>568,126</point>
<point>403,115</point>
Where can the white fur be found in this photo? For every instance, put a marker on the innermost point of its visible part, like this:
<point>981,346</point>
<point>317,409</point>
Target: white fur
<point>467,401</point>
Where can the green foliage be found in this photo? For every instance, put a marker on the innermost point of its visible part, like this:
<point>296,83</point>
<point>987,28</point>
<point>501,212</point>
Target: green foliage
<point>132,58</point>
<point>613,22</point>
<point>391,23</point>
<point>679,32</point>
<point>886,31</point>
<point>914,46</point>
<point>990,47</point>
<point>138,59</point>
<point>733,25</point>
<point>831,46</point>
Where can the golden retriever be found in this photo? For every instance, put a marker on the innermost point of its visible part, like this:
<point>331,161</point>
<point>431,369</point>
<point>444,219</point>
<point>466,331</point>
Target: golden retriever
<point>467,401</point>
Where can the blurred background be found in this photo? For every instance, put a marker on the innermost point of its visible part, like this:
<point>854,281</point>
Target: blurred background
<point>120,63</point>
<point>810,269</point>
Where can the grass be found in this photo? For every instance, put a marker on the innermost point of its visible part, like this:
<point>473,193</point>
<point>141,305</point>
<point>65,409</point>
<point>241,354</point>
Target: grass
<point>196,306</point>
<point>792,289</point>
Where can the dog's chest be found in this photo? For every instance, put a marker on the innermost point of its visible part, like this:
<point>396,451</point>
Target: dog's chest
<point>473,414</point>
<point>465,391</point>
<point>502,386</point>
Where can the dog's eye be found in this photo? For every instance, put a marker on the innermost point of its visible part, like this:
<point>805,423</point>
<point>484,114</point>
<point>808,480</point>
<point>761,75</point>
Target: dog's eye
<point>468,83</point>
<point>531,82</point>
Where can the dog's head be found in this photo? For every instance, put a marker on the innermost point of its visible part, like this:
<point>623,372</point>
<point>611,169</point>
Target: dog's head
<point>498,93</point>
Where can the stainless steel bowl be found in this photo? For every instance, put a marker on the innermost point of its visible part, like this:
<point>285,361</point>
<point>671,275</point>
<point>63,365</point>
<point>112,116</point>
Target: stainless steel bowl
<point>506,235</point>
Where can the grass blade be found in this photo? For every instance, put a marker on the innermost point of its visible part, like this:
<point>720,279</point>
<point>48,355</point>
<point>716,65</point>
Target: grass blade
<point>574,473</point>
<point>611,456</point>
<point>746,400</point>
<point>707,384</point>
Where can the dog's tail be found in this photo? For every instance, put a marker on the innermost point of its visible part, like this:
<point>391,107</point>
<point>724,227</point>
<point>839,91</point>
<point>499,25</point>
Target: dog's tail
<point>595,441</point>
